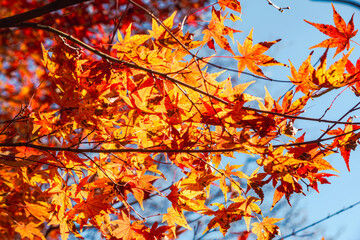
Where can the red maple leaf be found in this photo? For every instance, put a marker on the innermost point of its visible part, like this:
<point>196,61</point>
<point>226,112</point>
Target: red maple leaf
<point>340,34</point>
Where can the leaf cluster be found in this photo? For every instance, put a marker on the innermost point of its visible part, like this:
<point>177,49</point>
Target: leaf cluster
<point>94,144</point>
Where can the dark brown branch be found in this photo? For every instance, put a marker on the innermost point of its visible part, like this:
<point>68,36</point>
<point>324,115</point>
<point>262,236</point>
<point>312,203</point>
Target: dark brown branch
<point>37,12</point>
<point>117,25</point>
<point>243,72</point>
<point>334,124</point>
<point>132,150</point>
<point>150,150</point>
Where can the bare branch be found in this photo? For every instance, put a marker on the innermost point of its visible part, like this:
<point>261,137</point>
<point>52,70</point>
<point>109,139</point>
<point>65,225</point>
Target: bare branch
<point>51,7</point>
<point>321,220</point>
<point>348,2</point>
<point>332,126</point>
<point>157,150</point>
<point>281,9</point>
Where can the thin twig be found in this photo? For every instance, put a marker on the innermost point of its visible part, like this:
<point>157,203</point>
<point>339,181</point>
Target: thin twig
<point>334,124</point>
<point>321,220</point>
<point>149,150</point>
<point>281,9</point>
<point>111,39</point>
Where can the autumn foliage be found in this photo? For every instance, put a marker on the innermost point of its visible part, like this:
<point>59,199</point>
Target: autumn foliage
<point>111,121</point>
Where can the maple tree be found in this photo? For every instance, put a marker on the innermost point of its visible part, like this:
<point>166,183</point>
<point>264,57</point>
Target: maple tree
<point>107,107</point>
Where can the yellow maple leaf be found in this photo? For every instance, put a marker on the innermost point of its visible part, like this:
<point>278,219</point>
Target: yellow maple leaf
<point>266,229</point>
<point>174,218</point>
<point>123,229</point>
<point>39,210</point>
<point>29,230</point>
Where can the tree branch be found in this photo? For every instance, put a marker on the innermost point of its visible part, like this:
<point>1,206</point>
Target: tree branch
<point>321,220</point>
<point>150,150</point>
<point>132,150</point>
<point>332,126</point>
<point>352,3</point>
<point>164,75</point>
<point>281,9</point>
<point>37,12</point>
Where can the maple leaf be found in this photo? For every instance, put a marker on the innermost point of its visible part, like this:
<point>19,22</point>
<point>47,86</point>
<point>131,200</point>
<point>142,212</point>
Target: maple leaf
<point>295,107</point>
<point>287,168</point>
<point>243,235</point>
<point>256,182</point>
<point>152,98</point>
<point>156,232</point>
<point>232,4</point>
<point>339,34</point>
<point>321,178</point>
<point>217,30</point>
<point>354,71</point>
<point>307,78</point>
<point>40,211</point>
<point>266,229</point>
<point>224,216</point>
<point>89,208</point>
<point>252,56</point>
<point>228,172</point>
<point>29,230</point>
<point>347,142</point>
<point>158,31</point>
<point>249,206</point>
<point>128,42</point>
<point>144,184</point>
<point>123,229</point>
<point>173,218</point>
<point>196,182</point>
<point>288,186</point>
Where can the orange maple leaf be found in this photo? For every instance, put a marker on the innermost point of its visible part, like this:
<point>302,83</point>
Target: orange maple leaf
<point>29,231</point>
<point>252,56</point>
<point>217,30</point>
<point>347,142</point>
<point>123,230</point>
<point>232,4</point>
<point>89,208</point>
<point>340,34</point>
<point>39,210</point>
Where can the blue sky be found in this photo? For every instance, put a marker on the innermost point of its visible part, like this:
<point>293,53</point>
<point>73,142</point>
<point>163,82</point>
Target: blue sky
<point>297,36</point>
